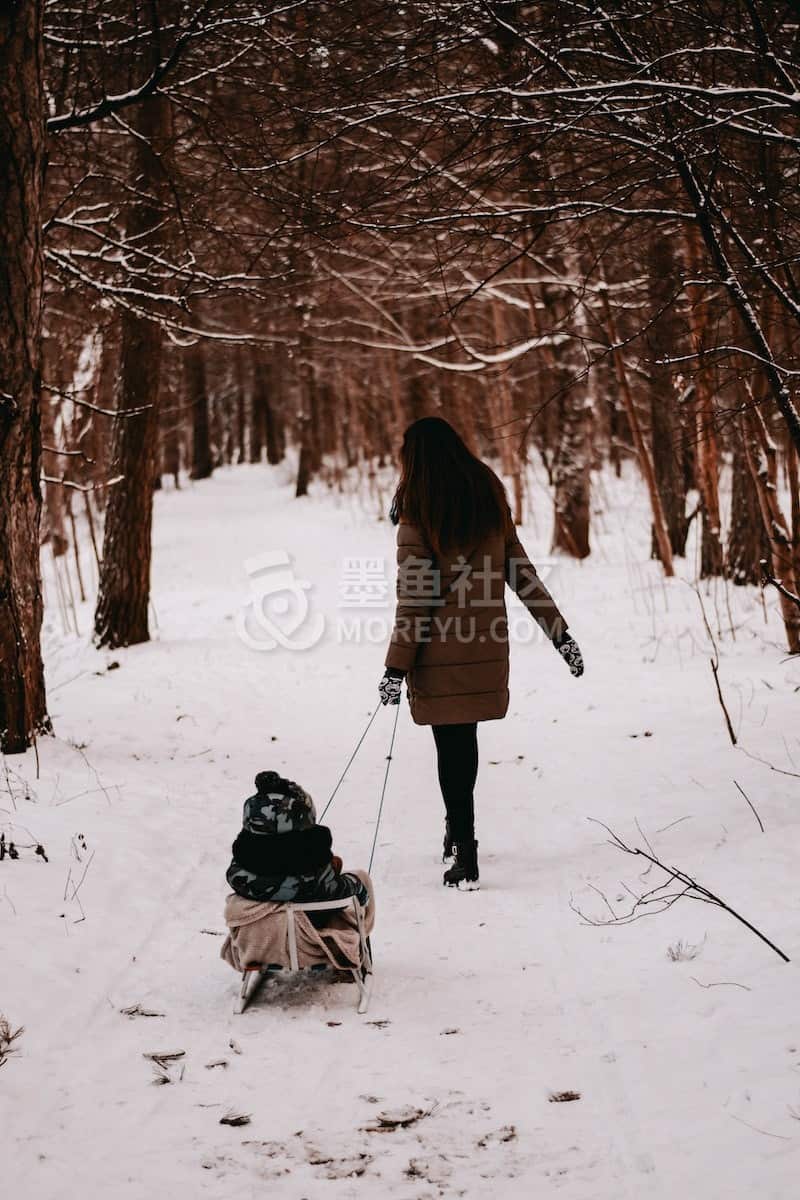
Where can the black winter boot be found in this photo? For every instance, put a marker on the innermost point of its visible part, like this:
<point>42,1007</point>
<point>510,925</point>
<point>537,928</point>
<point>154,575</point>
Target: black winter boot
<point>464,872</point>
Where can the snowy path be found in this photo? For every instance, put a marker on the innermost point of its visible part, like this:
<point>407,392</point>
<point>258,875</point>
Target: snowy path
<point>484,1004</point>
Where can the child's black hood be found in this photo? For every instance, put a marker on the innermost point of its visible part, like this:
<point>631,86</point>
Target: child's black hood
<point>300,852</point>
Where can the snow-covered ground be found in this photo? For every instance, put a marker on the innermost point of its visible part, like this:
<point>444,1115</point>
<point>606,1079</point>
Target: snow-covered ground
<point>486,1004</point>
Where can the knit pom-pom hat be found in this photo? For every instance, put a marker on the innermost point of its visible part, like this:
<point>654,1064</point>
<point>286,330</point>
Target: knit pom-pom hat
<point>279,806</point>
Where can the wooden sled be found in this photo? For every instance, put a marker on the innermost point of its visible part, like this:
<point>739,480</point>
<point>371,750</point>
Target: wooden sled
<point>253,976</point>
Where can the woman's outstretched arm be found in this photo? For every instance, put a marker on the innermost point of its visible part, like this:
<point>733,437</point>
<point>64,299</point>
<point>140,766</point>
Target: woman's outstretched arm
<point>522,576</point>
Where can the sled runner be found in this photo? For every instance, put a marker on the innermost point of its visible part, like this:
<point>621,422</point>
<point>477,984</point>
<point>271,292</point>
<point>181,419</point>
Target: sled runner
<point>252,976</point>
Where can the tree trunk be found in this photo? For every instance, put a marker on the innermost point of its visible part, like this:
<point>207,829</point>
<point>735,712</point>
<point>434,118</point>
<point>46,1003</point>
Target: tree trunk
<point>197,398</point>
<point>263,389</point>
<point>310,457</point>
<point>171,441</point>
<point>104,395</point>
<point>240,381</point>
<point>747,543</point>
<point>23,709</point>
<point>711,555</point>
<point>171,452</point>
<point>121,616</point>
<point>792,460</point>
<point>572,478</point>
<point>666,432</point>
<point>506,432</point>
<point>305,460</point>
<point>223,409</point>
<point>54,532</point>
<point>124,594</point>
<point>256,425</point>
<point>660,534</point>
<point>170,415</point>
<point>569,470</point>
<point>740,298</point>
<point>706,449</point>
<point>762,462</point>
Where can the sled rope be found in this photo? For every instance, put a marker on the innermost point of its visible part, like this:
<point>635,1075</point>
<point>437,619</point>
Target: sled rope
<point>383,789</point>
<point>350,760</point>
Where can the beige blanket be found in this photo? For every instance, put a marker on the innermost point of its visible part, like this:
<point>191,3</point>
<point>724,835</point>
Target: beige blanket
<point>258,934</point>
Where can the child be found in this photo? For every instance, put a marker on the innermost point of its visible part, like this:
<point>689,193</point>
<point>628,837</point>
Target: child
<point>282,854</point>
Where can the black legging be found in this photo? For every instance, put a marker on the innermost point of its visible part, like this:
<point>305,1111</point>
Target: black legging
<point>457,761</point>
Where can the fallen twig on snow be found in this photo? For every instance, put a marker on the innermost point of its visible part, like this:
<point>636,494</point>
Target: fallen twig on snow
<point>781,1136</point>
<point>661,899</point>
<point>664,828</point>
<point>401,1118</point>
<point>766,763</point>
<point>722,983</point>
<point>163,1061</point>
<point>162,1057</point>
<point>749,801</point>
<point>80,795</point>
<point>79,749</point>
<point>715,665</point>
<point>234,1118</point>
<point>136,1010</point>
<point>76,888</point>
<point>715,670</point>
<point>7,1039</point>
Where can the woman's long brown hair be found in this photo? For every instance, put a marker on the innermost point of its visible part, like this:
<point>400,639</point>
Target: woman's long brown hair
<point>452,497</point>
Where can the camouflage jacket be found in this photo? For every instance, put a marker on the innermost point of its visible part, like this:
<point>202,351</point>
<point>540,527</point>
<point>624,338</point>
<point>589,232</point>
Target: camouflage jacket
<point>323,884</point>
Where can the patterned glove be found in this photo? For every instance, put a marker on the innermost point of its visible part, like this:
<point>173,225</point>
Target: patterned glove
<point>389,688</point>
<point>570,651</point>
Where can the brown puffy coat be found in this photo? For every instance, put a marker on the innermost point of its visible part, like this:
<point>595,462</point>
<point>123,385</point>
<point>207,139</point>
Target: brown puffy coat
<point>451,630</point>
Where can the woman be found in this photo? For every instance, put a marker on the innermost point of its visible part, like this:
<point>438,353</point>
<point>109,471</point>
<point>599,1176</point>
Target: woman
<point>456,550</point>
